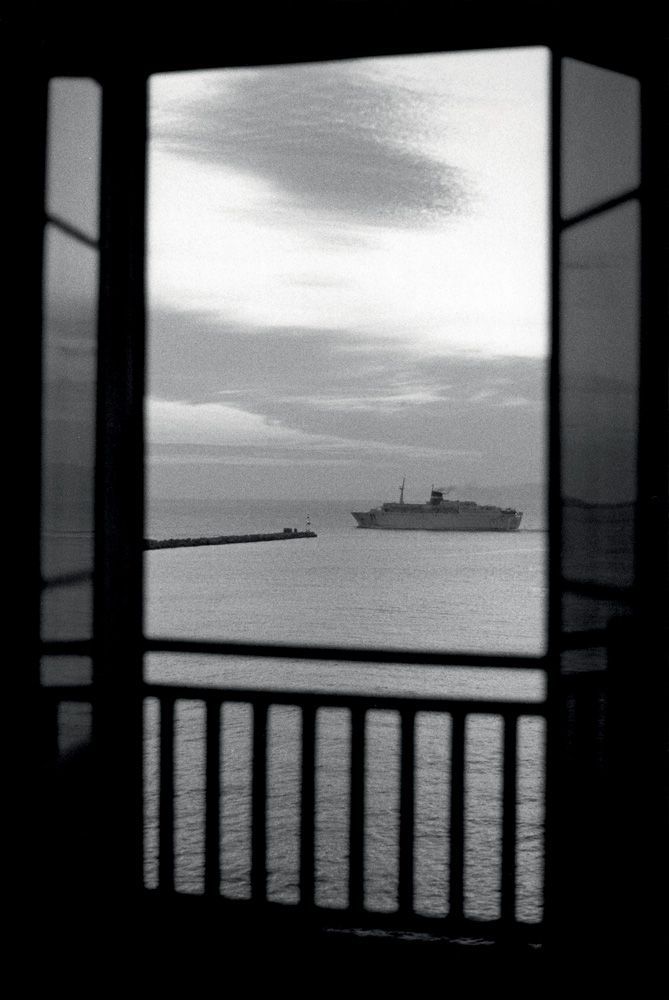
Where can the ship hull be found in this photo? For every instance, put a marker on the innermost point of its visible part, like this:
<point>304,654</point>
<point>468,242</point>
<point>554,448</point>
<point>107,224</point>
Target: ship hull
<point>380,520</point>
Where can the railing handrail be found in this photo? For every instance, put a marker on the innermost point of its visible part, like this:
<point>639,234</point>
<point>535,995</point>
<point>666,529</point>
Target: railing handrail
<point>311,699</point>
<point>329,699</point>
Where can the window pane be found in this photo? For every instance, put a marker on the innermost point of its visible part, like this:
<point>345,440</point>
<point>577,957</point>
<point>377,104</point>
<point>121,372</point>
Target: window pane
<point>599,365</point>
<point>600,135</point>
<point>69,371</point>
<point>66,670</point>
<point>600,357</point>
<point>73,153</point>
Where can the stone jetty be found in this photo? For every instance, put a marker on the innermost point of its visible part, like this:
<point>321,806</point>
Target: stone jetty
<point>273,536</point>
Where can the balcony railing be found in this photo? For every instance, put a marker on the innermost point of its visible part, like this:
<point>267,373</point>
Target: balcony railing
<point>358,707</point>
<point>356,906</point>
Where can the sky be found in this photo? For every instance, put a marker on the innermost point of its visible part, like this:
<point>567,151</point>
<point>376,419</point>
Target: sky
<point>347,277</point>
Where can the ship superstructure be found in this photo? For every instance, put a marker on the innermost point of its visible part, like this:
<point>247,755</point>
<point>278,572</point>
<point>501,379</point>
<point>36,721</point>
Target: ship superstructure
<point>438,514</point>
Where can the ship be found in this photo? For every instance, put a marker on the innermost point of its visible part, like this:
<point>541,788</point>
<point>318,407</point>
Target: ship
<point>438,514</point>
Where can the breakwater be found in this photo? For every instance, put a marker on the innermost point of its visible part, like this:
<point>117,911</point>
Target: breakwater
<point>273,536</point>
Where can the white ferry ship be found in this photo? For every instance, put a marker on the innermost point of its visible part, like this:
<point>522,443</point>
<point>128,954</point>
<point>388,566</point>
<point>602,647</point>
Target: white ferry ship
<point>438,514</point>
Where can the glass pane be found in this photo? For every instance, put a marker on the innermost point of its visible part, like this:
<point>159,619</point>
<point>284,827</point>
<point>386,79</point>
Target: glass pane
<point>599,364</point>
<point>69,371</point>
<point>66,670</point>
<point>600,135</point>
<point>74,727</point>
<point>599,360</point>
<point>73,157</point>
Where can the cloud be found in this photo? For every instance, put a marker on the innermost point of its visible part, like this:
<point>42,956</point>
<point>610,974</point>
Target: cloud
<point>209,428</point>
<point>172,421</point>
<point>200,358</point>
<point>247,396</point>
<point>329,137</point>
<point>403,196</point>
<point>373,401</point>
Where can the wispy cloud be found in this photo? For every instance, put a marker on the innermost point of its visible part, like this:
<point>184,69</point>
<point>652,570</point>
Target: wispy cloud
<point>246,397</point>
<point>372,402</point>
<point>401,196</point>
<point>332,138</point>
<point>223,426</point>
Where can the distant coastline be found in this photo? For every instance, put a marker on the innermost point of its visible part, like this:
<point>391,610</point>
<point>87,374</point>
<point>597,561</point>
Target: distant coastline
<point>592,505</point>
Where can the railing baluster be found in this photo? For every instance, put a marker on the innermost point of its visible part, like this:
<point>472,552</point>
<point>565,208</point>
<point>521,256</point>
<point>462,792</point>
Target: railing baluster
<point>457,817</point>
<point>356,871</point>
<point>308,806</point>
<point>358,707</point>
<point>509,820</point>
<point>166,809</point>
<point>212,833</point>
<point>407,811</point>
<point>259,805</point>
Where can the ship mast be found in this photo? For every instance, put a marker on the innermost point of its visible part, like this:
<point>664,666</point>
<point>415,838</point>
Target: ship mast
<point>402,490</point>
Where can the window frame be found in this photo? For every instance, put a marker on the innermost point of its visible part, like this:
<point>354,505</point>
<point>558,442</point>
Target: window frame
<point>120,511</point>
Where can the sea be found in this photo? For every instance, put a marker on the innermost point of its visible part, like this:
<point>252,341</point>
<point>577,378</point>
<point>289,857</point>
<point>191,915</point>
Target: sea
<point>475,592</point>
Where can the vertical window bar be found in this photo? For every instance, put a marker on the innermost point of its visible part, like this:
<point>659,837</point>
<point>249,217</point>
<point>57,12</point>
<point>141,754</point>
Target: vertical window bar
<point>509,819</point>
<point>584,726</point>
<point>48,731</point>
<point>407,811</point>
<point>457,823</point>
<point>212,870</point>
<point>28,123</point>
<point>166,815</point>
<point>555,719</point>
<point>356,871</point>
<point>651,825</point>
<point>652,559</point>
<point>119,474</point>
<point>259,805</point>
<point>308,805</point>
